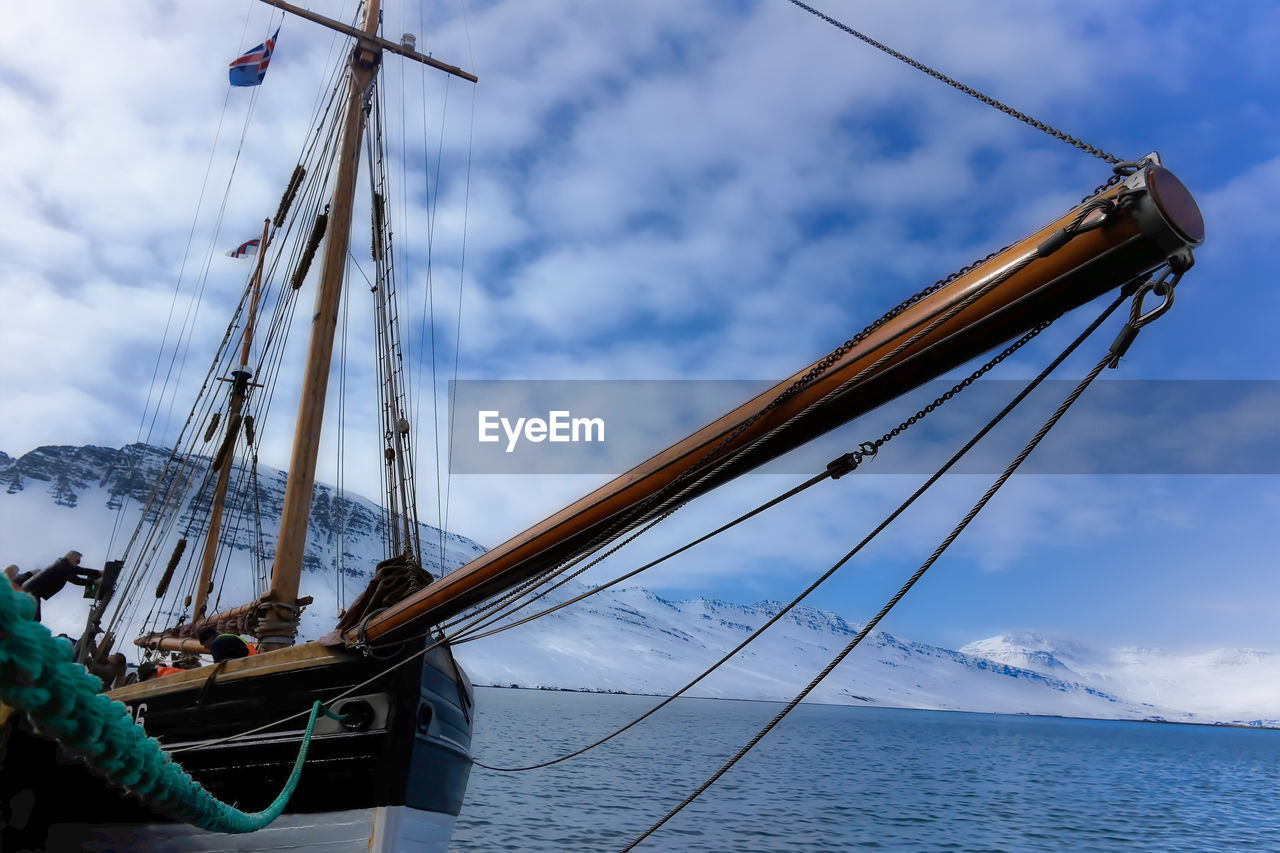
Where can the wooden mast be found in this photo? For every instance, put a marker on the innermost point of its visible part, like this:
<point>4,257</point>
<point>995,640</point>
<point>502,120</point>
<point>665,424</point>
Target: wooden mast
<point>239,391</point>
<point>1044,275</point>
<point>278,615</point>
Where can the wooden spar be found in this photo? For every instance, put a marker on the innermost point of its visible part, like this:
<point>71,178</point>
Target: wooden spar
<point>178,638</point>
<point>253,299</point>
<point>371,38</point>
<point>277,613</point>
<point>1159,219</point>
<point>239,391</point>
<point>279,623</point>
<point>173,644</point>
<point>172,641</point>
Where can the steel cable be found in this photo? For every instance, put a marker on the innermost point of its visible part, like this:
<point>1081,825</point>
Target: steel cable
<point>974,93</point>
<point>956,457</point>
<point>906,587</point>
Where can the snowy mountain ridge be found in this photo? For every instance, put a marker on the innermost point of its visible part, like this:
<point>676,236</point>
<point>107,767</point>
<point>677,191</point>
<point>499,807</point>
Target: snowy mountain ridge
<point>630,639</point>
<point>635,641</point>
<point>57,497</point>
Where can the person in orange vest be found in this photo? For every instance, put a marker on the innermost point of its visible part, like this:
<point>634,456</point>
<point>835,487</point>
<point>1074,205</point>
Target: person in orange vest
<point>149,670</point>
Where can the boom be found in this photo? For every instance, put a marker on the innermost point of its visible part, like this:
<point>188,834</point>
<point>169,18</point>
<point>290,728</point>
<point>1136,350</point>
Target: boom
<point>1150,217</point>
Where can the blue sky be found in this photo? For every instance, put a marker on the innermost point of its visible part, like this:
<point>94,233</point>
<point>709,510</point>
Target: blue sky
<point>669,190</point>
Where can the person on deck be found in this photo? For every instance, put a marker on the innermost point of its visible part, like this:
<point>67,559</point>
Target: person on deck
<point>148,670</point>
<point>47,583</point>
<point>222,646</point>
<point>111,672</point>
<point>16,576</point>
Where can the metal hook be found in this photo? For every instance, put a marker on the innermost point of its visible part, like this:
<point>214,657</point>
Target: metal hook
<point>1162,287</point>
<point>1128,167</point>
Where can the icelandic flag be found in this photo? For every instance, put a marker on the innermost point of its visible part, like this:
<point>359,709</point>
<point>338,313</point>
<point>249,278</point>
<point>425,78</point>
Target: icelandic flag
<point>248,247</point>
<point>251,67</point>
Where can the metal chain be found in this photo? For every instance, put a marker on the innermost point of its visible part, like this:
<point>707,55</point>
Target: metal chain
<point>821,367</point>
<point>1012,348</point>
<point>813,373</point>
<point>964,383</point>
<point>906,587</point>
<point>673,500</point>
<point>672,492</point>
<point>836,469</point>
<point>986,99</point>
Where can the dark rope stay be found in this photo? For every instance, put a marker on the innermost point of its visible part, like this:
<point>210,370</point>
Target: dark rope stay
<point>825,576</point>
<point>476,620</point>
<point>1076,226</point>
<point>837,468</point>
<point>956,457</point>
<point>1136,321</point>
<point>465,637</point>
<point>674,494</point>
<point>439,641</point>
<point>956,84</point>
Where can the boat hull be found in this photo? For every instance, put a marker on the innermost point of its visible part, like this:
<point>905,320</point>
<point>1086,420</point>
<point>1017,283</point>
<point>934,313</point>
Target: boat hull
<point>398,764</point>
<point>386,829</point>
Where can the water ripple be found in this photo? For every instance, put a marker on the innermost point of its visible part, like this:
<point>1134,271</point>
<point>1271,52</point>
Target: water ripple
<point>833,778</point>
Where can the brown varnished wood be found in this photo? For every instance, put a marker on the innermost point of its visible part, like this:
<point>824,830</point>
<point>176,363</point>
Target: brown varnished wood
<point>1090,264</point>
<point>287,569</point>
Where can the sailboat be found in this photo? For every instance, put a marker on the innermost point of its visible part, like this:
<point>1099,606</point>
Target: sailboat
<point>389,772</point>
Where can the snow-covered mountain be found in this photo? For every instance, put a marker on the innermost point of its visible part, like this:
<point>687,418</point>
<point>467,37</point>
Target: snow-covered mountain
<point>54,499</point>
<point>1237,685</point>
<point>635,641</point>
<point>631,640</point>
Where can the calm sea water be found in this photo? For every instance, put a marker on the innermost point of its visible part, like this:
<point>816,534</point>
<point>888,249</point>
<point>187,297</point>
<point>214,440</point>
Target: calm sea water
<point>839,778</point>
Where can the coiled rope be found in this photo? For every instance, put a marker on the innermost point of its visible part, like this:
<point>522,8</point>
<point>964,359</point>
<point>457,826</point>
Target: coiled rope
<point>61,700</point>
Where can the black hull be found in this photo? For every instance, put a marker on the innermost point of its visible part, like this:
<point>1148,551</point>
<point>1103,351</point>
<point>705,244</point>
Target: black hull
<point>407,742</point>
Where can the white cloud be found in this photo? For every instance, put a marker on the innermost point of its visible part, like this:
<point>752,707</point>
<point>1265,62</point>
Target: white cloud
<point>656,190</point>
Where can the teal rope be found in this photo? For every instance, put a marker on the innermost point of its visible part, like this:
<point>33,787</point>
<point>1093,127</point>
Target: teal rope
<point>61,700</point>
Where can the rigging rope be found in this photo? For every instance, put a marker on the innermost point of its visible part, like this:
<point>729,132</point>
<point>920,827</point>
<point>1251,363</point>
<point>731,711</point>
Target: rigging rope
<point>339,564</point>
<point>956,84</point>
<point>186,252</point>
<point>457,332</point>
<point>62,702</point>
<point>838,468</point>
<point>946,466</point>
<point>676,493</point>
<point>439,641</point>
<point>1135,323</point>
<point>318,153</point>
